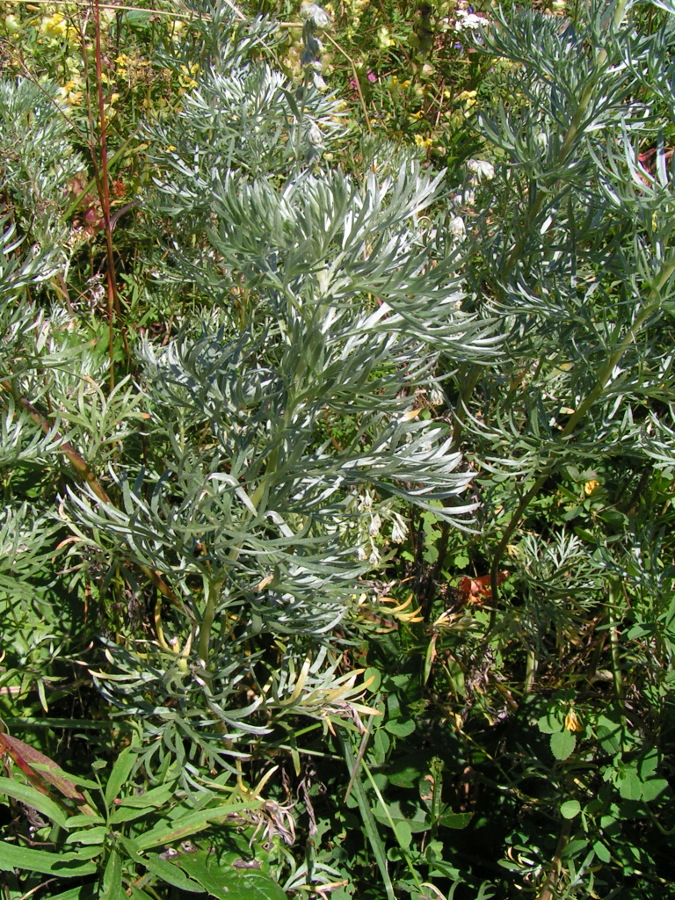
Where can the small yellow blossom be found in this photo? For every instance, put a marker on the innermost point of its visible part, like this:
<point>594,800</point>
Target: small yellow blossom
<point>590,486</point>
<point>423,142</point>
<point>187,76</point>
<point>53,26</point>
<point>468,98</point>
<point>572,722</point>
<point>70,93</point>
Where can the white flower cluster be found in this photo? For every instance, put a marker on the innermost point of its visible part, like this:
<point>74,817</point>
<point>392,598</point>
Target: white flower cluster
<point>370,543</point>
<point>469,21</point>
<point>481,170</point>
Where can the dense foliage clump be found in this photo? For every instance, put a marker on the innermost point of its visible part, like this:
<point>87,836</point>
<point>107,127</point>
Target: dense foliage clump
<point>336,435</point>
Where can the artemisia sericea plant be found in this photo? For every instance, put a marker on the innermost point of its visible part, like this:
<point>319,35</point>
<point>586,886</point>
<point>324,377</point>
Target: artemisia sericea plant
<point>212,487</point>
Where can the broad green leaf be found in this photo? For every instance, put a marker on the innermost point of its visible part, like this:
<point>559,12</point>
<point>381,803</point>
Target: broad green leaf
<point>171,874</point>
<point>610,734</point>
<point>400,727</point>
<point>33,798</point>
<point>156,797</point>
<point>248,885</point>
<point>89,836</point>
<point>226,882</point>
<point>630,786</point>
<point>120,774</point>
<point>64,864</point>
<point>455,820</point>
<point>415,816</point>
<point>206,871</point>
<point>128,814</point>
<point>188,825</point>
<point>376,676</point>
<point>602,852</point>
<point>550,723</point>
<point>83,820</point>
<point>112,888</point>
<point>570,808</point>
<point>653,788</point>
<point>403,833</point>
<point>563,744</point>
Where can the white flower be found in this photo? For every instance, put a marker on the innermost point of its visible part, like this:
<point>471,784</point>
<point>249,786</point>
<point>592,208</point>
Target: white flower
<point>399,529</point>
<point>436,396</point>
<point>314,135</point>
<point>482,170</point>
<point>467,21</point>
<point>375,525</point>
<point>458,228</point>
<point>541,140</point>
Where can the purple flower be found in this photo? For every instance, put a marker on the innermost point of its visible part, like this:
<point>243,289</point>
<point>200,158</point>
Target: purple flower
<point>372,77</point>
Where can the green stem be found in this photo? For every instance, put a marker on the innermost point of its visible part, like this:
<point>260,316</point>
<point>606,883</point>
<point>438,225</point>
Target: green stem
<point>370,825</point>
<point>614,601</point>
<point>212,591</point>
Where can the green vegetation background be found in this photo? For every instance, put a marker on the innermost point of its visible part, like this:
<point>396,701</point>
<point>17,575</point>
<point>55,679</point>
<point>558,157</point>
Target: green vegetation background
<point>336,445</point>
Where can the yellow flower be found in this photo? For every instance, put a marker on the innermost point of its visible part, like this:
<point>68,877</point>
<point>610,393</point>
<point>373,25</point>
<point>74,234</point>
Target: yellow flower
<point>53,26</point>
<point>468,98</point>
<point>590,486</point>
<point>572,722</point>
<point>186,78</point>
<point>423,142</point>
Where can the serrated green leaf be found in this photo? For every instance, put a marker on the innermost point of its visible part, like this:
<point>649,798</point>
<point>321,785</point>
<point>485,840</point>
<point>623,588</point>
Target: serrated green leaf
<point>563,744</point>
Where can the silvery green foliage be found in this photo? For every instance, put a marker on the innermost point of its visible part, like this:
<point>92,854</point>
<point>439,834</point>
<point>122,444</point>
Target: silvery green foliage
<point>37,159</point>
<point>325,299</point>
<point>575,243</point>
